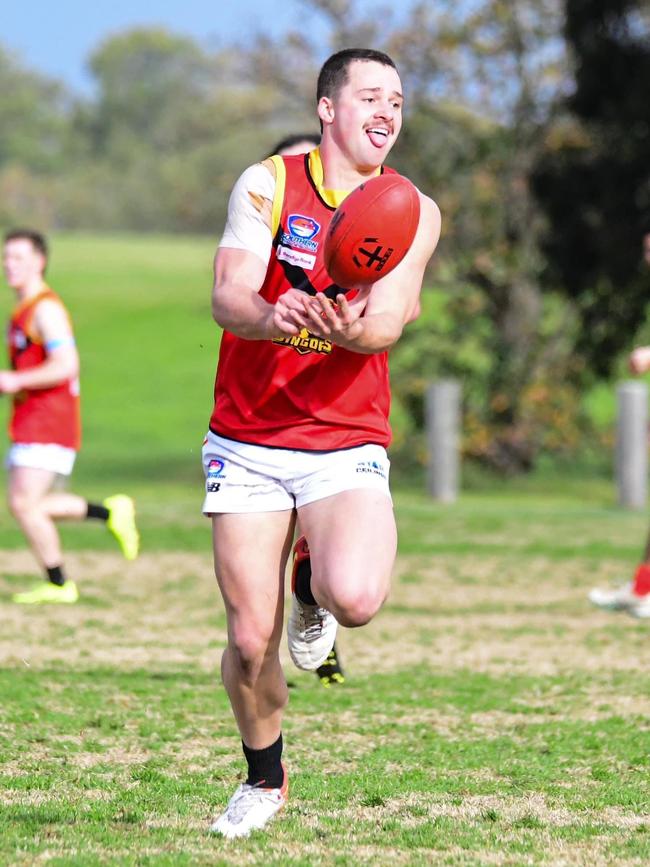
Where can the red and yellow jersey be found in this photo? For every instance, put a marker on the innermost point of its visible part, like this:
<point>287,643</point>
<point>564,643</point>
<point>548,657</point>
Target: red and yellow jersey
<point>300,392</point>
<point>40,415</point>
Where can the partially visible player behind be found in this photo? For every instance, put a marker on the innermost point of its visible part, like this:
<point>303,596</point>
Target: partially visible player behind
<point>634,597</point>
<point>44,426</point>
<point>330,672</point>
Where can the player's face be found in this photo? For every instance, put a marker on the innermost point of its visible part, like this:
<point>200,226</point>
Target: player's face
<point>367,113</point>
<point>21,262</point>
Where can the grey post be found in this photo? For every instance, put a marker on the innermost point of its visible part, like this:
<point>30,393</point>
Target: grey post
<point>442,407</point>
<point>632,444</point>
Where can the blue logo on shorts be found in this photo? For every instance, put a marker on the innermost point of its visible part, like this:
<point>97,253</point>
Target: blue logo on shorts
<point>215,469</point>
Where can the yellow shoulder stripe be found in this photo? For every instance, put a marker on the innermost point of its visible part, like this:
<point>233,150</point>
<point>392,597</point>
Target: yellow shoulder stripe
<point>278,196</point>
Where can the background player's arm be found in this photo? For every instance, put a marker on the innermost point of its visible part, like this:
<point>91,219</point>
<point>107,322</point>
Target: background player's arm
<point>388,304</point>
<point>639,360</point>
<point>52,326</point>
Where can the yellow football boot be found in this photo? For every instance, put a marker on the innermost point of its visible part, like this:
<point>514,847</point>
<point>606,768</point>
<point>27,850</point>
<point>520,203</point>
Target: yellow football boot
<point>121,523</point>
<point>46,592</point>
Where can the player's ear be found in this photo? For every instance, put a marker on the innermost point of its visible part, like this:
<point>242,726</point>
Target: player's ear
<point>326,109</point>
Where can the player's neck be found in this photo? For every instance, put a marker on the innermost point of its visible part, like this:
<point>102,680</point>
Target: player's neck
<point>339,173</point>
<point>29,289</point>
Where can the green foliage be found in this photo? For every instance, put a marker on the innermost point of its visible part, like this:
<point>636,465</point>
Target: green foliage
<point>33,117</point>
<point>158,148</point>
<point>597,159</point>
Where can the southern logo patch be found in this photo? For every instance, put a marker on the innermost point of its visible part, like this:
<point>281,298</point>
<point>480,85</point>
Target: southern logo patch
<point>302,227</point>
<point>300,232</point>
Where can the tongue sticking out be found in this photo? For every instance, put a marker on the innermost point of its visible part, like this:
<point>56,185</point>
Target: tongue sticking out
<point>378,139</point>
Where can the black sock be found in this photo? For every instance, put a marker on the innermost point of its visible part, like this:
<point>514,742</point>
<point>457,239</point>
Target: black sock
<point>55,576</point>
<point>97,511</point>
<point>303,583</point>
<point>265,766</point>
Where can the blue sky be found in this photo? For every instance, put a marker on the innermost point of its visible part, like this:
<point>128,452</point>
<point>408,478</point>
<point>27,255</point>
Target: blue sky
<point>57,38</point>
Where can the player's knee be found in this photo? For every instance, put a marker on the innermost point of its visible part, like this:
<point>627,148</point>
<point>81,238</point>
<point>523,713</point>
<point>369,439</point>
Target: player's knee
<point>20,505</point>
<point>356,607</point>
<point>250,650</point>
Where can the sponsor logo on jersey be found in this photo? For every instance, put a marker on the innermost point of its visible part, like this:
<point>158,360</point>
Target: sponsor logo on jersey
<point>303,227</point>
<point>300,232</point>
<point>303,260</point>
<point>305,342</point>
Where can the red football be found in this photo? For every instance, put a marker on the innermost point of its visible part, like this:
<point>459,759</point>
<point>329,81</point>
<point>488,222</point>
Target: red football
<point>371,230</point>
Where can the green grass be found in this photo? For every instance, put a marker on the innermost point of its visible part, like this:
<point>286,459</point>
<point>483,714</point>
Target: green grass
<point>398,785</point>
<point>490,716</point>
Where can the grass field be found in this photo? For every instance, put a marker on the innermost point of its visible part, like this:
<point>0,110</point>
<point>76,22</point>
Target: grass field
<point>490,716</point>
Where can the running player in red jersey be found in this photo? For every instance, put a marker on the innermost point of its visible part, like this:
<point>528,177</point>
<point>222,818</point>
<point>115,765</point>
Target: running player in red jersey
<point>300,422</point>
<point>44,427</point>
<point>632,597</point>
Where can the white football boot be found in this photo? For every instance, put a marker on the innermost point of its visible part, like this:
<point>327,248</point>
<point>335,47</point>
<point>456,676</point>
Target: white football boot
<point>621,599</point>
<point>311,630</point>
<point>249,809</point>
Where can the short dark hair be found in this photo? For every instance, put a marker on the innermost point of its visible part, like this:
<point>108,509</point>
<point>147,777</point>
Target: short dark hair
<point>290,140</point>
<point>38,240</point>
<point>334,72</point>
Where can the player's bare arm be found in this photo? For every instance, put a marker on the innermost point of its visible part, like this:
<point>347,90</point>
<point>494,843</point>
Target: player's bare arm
<point>374,321</point>
<point>238,306</point>
<point>236,302</point>
<point>52,326</point>
<point>242,259</point>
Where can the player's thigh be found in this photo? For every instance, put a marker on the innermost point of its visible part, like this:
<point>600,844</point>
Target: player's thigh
<point>28,485</point>
<point>352,539</point>
<point>250,556</point>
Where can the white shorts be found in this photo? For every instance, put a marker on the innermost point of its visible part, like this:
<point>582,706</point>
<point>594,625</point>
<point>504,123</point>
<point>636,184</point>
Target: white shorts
<point>240,477</point>
<point>41,456</point>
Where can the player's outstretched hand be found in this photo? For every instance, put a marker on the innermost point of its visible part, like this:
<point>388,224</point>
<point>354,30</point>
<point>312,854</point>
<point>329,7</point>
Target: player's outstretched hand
<point>327,318</point>
<point>289,313</point>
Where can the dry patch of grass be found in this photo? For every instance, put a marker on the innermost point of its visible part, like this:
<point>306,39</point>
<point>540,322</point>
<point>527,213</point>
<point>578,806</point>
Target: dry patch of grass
<point>482,613</point>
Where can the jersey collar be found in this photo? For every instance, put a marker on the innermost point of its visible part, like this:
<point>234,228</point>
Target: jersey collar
<point>333,198</point>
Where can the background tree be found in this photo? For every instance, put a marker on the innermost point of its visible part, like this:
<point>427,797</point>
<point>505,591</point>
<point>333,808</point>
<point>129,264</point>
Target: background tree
<point>34,123</point>
<point>593,180</point>
<point>171,127</point>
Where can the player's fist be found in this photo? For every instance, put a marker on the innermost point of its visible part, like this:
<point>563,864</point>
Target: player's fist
<point>8,382</point>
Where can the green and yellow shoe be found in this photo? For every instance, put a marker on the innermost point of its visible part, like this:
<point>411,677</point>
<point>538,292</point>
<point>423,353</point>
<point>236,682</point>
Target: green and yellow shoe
<point>46,592</point>
<point>121,523</point>
<point>331,672</point>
